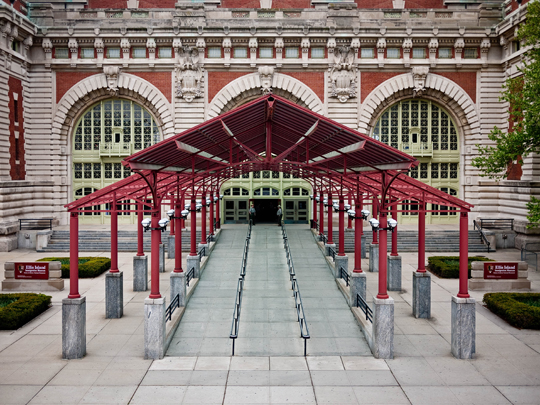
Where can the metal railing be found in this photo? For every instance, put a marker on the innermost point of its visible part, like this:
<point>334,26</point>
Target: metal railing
<point>528,252</point>
<point>323,238</point>
<point>38,223</point>
<point>239,290</point>
<point>190,275</point>
<point>314,224</point>
<point>173,305</point>
<point>301,317</point>
<point>209,238</point>
<point>362,304</point>
<point>332,252</point>
<point>202,253</point>
<point>497,223</point>
<point>483,236</point>
<point>344,274</point>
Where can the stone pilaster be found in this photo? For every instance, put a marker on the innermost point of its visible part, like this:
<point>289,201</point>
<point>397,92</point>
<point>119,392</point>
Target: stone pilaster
<point>73,328</point>
<point>463,327</point>
<point>114,295</point>
<point>140,273</point>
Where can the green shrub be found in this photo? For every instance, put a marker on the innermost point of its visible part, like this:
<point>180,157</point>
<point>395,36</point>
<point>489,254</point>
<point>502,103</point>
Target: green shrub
<point>89,267</point>
<point>521,310</point>
<point>18,309</point>
<point>448,266</point>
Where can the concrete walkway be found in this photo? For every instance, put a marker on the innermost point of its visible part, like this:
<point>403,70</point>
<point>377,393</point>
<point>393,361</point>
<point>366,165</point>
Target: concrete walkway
<point>506,368</point>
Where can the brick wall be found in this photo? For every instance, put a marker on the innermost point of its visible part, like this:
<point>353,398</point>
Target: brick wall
<point>314,80</point>
<point>162,80</point>
<point>16,130</point>
<point>218,80</point>
<point>257,4</point>
<point>408,4</point>
<point>107,3</point>
<point>370,80</point>
<point>66,80</point>
<point>466,80</point>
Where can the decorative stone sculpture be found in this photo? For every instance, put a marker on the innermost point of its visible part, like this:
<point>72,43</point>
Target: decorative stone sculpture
<point>419,76</point>
<point>112,73</point>
<point>343,74</point>
<point>189,75</point>
<point>266,74</point>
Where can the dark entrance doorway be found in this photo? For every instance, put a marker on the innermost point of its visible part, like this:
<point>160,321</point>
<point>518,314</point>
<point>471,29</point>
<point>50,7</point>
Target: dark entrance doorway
<point>266,210</point>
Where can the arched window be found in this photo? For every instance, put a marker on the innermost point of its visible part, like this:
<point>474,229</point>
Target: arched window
<point>295,191</point>
<point>266,191</point>
<point>236,191</point>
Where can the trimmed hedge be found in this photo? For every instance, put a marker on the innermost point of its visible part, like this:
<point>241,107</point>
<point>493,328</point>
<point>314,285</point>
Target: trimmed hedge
<point>448,266</point>
<point>521,310</point>
<point>89,267</point>
<point>18,309</point>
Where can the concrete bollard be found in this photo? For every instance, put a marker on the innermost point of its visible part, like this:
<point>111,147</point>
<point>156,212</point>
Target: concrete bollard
<point>421,301</point>
<point>358,287</point>
<point>193,261</point>
<point>383,328</point>
<point>394,273</point>
<point>140,273</point>
<point>170,246</point>
<point>161,258</point>
<point>327,247</point>
<point>114,295</point>
<point>341,261</point>
<point>463,327</point>
<point>73,328</point>
<point>205,246</point>
<point>178,287</point>
<point>363,242</point>
<point>154,328</point>
<point>373,258</point>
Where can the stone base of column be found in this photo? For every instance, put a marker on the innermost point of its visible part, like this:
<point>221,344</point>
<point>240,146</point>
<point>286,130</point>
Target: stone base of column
<point>178,287</point>
<point>341,261</point>
<point>394,273</point>
<point>154,328</point>
<point>193,261</point>
<point>383,328</point>
<point>421,301</point>
<point>140,273</point>
<point>463,327</point>
<point>161,258</point>
<point>374,258</point>
<point>73,328</point>
<point>170,246</point>
<point>358,287</point>
<point>327,247</point>
<point>114,295</point>
<point>363,242</point>
<point>205,246</point>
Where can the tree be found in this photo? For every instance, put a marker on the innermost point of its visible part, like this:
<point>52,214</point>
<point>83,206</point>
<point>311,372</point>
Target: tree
<point>522,94</point>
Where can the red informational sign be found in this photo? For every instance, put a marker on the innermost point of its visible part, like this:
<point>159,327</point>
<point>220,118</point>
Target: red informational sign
<point>500,271</point>
<point>32,271</point>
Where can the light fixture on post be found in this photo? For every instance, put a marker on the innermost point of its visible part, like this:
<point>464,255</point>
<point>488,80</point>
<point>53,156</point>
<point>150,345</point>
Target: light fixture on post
<point>352,214</point>
<point>208,202</point>
<point>183,214</point>
<point>318,198</point>
<point>198,206</point>
<point>392,224</point>
<point>346,209</point>
<point>163,222</point>
<point>325,202</point>
<point>216,198</point>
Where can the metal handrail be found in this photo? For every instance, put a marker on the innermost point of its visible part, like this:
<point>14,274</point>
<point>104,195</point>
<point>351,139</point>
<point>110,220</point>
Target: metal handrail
<point>344,274</point>
<point>202,252</point>
<point>173,305</point>
<point>497,223</point>
<point>323,238</point>
<point>190,275</point>
<point>37,226</point>
<point>332,252</point>
<point>362,304</point>
<point>209,238</point>
<point>483,236</point>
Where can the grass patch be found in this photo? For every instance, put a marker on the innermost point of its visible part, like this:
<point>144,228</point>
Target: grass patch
<point>448,266</point>
<point>89,267</point>
<point>18,309</point>
<point>521,310</point>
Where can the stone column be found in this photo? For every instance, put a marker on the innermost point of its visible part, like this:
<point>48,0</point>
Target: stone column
<point>358,287</point>
<point>161,257</point>
<point>421,295</point>
<point>193,262</point>
<point>73,328</point>
<point>140,273</point>
<point>463,327</point>
<point>170,245</point>
<point>178,287</point>
<point>114,294</point>
<point>383,328</point>
<point>341,261</point>
<point>154,328</point>
<point>374,258</point>
<point>394,273</point>
<point>364,252</point>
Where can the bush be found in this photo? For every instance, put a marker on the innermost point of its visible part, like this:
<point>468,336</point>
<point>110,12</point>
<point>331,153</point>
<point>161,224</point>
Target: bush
<point>18,309</point>
<point>448,266</point>
<point>89,267</point>
<point>521,310</point>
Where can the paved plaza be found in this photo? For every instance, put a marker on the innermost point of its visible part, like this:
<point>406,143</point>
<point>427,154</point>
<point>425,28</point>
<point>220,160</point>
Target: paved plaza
<point>269,366</point>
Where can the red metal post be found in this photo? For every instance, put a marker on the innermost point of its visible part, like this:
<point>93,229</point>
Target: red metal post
<point>314,207</point>
<point>358,235</point>
<point>154,252</point>
<point>321,214</point>
<point>178,207</point>
<point>394,233</point>
<point>74,255</point>
<point>383,290</point>
<point>203,218</point>
<point>463,256</point>
<point>114,238</point>
<point>374,215</point>
<point>193,235</point>
<point>211,220</point>
<point>182,204</point>
<point>341,217</point>
<point>140,238</point>
<point>218,217</point>
<point>330,230</point>
<point>173,206</point>
<point>422,238</point>
<point>349,223</point>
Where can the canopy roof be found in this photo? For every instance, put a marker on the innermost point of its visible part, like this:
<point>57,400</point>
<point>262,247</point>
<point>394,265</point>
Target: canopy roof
<point>271,133</point>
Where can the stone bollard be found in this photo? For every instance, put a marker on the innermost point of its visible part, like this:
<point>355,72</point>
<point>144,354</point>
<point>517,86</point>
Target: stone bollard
<point>178,287</point>
<point>394,273</point>
<point>363,242</point>
<point>140,273</point>
<point>161,258</point>
<point>205,246</point>
<point>170,246</point>
<point>327,247</point>
<point>114,295</point>
<point>383,328</point>
<point>193,261</point>
<point>358,287</point>
<point>154,328</point>
<point>421,301</point>
<point>374,258</point>
<point>73,328</point>
<point>463,327</point>
<point>341,261</point>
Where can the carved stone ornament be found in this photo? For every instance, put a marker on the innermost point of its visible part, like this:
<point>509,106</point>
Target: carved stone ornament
<point>99,45</point>
<point>6,29</point>
<point>407,45</point>
<point>419,77</point>
<point>125,45</point>
<point>46,44</point>
<point>381,45</point>
<point>343,74</point>
<point>266,74</point>
<point>73,45</point>
<point>459,45</point>
<point>28,42</point>
<point>112,73</point>
<point>433,45</point>
<point>189,75</point>
<point>485,45</point>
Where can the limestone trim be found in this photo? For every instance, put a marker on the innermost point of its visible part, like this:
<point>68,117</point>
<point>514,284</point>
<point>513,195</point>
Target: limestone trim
<point>95,88</point>
<point>252,81</point>
<point>438,88</point>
